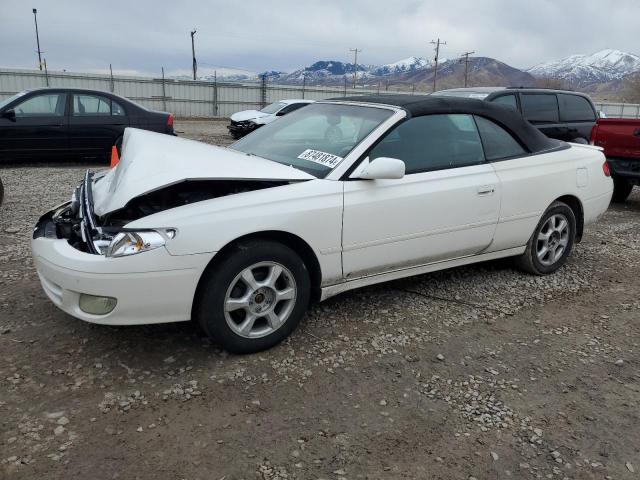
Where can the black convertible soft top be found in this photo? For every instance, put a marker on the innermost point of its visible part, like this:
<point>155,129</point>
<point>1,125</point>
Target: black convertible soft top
<point>418,105</point>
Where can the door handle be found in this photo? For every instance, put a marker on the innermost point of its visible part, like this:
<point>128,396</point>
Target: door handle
<point>486,190</point>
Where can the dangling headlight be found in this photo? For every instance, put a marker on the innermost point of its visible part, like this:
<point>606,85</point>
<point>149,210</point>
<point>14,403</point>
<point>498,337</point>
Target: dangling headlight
<point>130,243</point>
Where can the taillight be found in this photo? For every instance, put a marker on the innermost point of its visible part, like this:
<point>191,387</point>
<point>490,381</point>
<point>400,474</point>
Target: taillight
<point>592,136</point>
<point>605,169</point>
<point>170,121</point>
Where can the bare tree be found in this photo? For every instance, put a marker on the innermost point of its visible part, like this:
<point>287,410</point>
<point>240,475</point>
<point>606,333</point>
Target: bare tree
<point>551,82</point>
<point>631,88</point>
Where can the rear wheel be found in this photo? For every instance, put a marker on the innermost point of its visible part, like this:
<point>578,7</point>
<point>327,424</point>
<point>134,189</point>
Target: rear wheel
<point>551,242</point>
<point>254,298</point>
<point>621,190</point>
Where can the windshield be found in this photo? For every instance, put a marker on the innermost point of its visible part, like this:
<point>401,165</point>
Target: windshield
<point>273,108</point>
<point>7,101</point>
<point>314,139</point>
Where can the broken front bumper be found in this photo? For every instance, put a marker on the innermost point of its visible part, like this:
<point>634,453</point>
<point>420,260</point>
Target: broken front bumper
<point>240,129</point>
<point>151,287</point>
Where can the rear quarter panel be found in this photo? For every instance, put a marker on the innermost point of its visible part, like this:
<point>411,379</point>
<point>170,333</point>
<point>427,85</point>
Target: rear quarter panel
<point>529,185</point>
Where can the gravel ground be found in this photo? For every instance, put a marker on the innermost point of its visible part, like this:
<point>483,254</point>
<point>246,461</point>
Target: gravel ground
<point>478,372</point>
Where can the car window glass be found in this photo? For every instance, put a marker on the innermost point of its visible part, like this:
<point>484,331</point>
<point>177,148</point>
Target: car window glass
<point>498,143</point>
<point>507,101</point>
<point>432,142</point>
<point>574,108</point>
<point>116,109</point>
<point>540,107</point>
<point>273,108</point>
<point>91,105</point>
<point>316,138</point>
<point>47,105</point>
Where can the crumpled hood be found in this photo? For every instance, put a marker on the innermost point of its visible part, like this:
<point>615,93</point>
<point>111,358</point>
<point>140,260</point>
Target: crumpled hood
<point>247,115</point>
<point>151,161</point>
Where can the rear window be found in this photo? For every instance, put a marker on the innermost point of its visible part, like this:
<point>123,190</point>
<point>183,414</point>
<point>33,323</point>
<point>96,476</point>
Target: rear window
<point>497,142</point>
<point>574,108</point>
<point>540,107</point>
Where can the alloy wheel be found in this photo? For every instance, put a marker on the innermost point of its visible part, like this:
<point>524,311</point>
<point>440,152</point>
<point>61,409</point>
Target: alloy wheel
<point>260,299</point>
<point>553,239</point>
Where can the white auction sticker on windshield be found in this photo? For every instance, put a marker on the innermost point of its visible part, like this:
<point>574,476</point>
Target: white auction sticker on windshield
<point>323,158</point>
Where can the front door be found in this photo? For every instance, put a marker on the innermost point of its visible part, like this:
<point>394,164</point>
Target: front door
<point>445,207</point>
<point>38,129</point>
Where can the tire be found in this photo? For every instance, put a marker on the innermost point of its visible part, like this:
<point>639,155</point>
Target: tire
<point>263,312</point>
<point>550,233</point>
<point>621,190</point>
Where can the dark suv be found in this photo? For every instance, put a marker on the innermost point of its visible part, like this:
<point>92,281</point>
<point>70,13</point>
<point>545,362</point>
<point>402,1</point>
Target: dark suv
<point>558,114</point>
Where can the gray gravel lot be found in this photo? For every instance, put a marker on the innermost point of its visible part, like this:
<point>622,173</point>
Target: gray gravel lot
<point>478,372</point>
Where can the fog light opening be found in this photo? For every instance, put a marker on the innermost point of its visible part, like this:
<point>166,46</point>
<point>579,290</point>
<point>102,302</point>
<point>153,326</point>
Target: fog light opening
<point>95,305</point>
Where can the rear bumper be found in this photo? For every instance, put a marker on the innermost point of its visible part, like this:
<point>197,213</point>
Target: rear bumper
<point>628,168</point>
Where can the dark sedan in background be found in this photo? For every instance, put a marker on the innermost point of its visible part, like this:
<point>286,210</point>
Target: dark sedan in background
<point>70,123</point>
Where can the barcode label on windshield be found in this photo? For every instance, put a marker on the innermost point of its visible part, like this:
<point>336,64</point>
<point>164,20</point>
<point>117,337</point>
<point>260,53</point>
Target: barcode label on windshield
<point>323,158</point>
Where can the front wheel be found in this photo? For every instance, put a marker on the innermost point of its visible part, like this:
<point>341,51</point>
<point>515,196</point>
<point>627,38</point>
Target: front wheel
<point>254,298</point>
<point>551,242</point>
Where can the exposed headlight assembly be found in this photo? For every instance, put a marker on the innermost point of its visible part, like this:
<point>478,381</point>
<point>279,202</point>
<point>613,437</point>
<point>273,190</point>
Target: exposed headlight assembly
<point>130,243</point>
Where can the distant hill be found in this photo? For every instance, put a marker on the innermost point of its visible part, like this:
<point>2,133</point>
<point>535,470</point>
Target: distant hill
<point>603,74</point>
<point>586,71</point>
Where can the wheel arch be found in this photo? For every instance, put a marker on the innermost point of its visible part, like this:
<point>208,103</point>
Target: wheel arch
<point>297,244</point>
<point>575,205</point>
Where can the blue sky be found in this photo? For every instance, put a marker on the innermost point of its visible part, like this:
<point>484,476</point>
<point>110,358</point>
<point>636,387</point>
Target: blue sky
<point>143,35</point>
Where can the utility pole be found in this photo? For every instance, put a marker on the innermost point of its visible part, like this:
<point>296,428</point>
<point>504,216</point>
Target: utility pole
<point>355,65</point>
<point>304,83</point>
<point>466,65</point>
<point>193,54</point>
<point>111,77</point>
<point>435,70</point>
<point>35,18</point>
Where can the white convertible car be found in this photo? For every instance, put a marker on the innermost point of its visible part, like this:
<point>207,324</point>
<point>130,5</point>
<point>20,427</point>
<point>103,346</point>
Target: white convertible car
<point>338,195</point>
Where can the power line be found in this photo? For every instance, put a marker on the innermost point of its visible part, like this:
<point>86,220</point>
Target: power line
<point>466,65</point>
<point>435,70</point>
<point>355,65</point>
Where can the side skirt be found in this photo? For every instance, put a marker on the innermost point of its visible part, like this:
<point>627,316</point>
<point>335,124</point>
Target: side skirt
<point>332,290</point>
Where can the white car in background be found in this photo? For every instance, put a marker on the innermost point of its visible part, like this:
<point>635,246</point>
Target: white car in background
<point>248,120</point>
<point>338,195</point>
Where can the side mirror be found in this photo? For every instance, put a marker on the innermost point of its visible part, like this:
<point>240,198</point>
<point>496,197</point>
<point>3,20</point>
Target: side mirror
<point>9,114</point>
<point>381,168</point>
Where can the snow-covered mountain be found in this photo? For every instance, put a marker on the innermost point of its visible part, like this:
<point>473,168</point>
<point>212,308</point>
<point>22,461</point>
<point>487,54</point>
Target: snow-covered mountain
<point>584,70</point>
<point>401,66</point>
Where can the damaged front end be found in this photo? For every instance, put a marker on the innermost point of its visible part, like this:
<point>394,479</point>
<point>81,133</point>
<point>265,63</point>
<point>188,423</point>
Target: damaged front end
<point>76,221</point>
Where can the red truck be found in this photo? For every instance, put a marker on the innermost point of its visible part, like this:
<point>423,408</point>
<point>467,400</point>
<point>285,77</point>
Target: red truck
<point>620,138</point>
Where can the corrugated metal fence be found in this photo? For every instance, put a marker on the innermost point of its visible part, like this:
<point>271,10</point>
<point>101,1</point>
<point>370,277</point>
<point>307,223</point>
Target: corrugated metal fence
<point>186,98</point>
<point>619,110</point>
